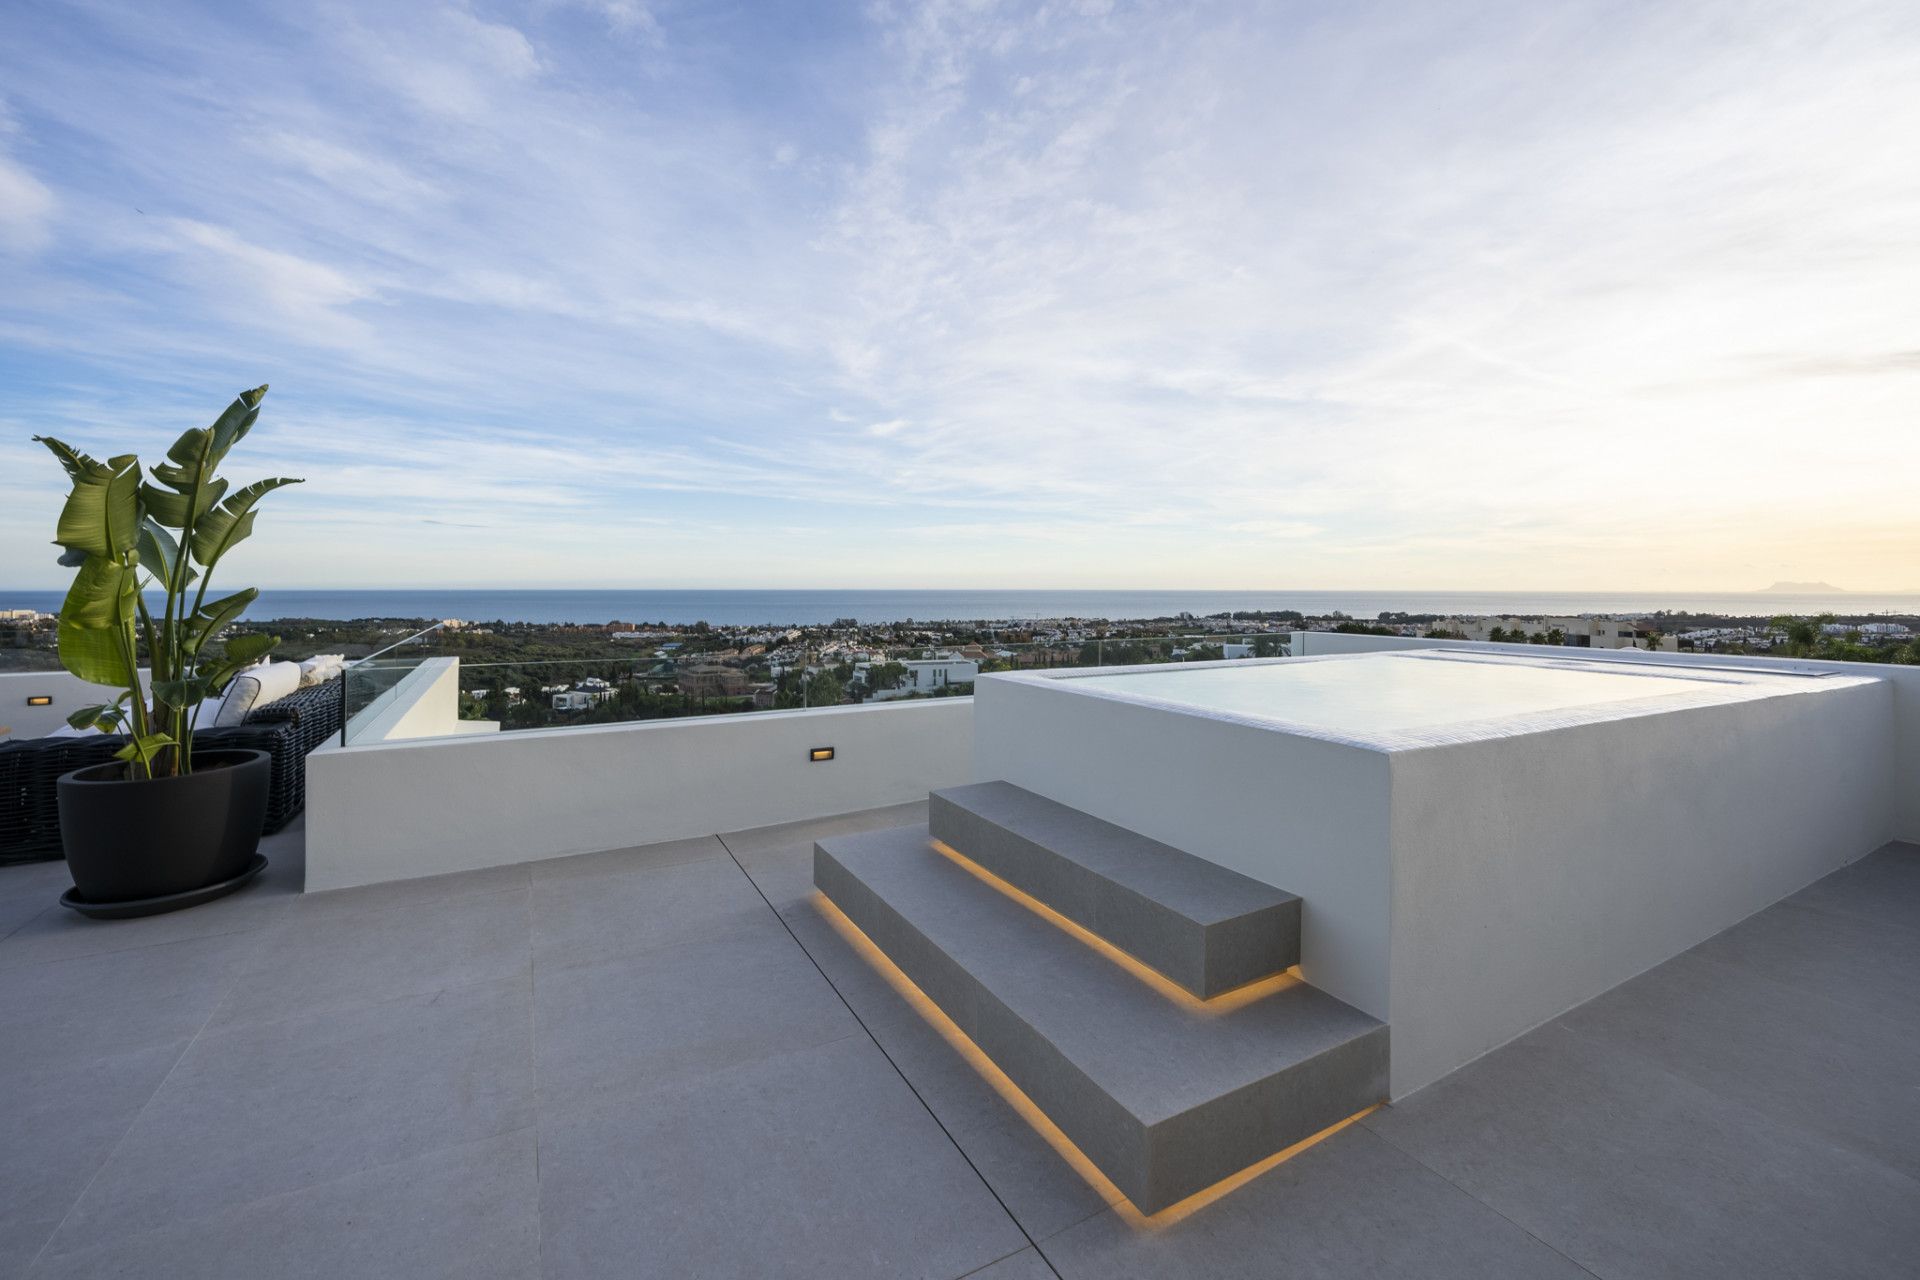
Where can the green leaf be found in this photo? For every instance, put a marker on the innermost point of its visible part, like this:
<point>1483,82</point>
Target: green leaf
<point>241,651</point>
<point>184,692</point>
<point>160,553</point>
<point>93,618</point>
<point>250,648</point>
<point>101,594</point>
<point>175,510</point>
<point>215,614</point>
<point>144,749</point>
<point>217,531</point>
<point>199,451</point>
<point>105,716</point>
<point>102,513</point>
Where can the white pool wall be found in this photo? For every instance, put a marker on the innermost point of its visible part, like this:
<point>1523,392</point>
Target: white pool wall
<point>1904,680</point>
<point>1532,873</point>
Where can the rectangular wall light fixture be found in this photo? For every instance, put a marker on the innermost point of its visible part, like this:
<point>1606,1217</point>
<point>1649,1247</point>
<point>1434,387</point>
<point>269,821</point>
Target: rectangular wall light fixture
<point>818,754</point>
<point>40,700</point>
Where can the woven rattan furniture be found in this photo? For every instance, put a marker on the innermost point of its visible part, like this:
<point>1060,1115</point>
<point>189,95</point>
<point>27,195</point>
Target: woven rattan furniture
<point>287,730</point>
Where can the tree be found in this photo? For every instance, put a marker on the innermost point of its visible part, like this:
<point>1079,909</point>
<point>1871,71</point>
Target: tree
<point>1497,635</point>
<point>1802,635</point>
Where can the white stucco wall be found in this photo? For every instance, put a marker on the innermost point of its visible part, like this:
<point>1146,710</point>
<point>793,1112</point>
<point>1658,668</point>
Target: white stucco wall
<point>69,694</point>
<point>398,810</point>
<point>1532,873</point>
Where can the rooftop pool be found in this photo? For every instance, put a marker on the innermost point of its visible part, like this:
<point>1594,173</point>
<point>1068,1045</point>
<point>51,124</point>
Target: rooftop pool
<point>1387,696</point>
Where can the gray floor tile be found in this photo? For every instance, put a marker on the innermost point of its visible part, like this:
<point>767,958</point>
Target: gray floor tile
<point>784,875</point>
<point>61,934</point>
<point>1883,886</point>
<point>608,1028</point>
<point>1852,959</point>
<point>756,841</point>
<point>1632,1170</point>
<point>468,1212</point>
<point>818,1162</point>
<point>19,908</point>
<point>643,857</point>
<point>1037,1184</point>
<point>585,920</point>
<point>1024,1265</point>
<point>412,893</point>
<point>1803,1059</point>
<point>780,859</point>
<point>266,1108</point>
<point>61,1123</point>
<point>27,890</point>
<point>1350,1207</point>
<point>67,1012</point>
<point>317,961</point>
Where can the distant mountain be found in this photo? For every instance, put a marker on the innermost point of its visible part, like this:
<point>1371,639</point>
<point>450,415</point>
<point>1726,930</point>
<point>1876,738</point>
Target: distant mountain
<point>1804,589</point>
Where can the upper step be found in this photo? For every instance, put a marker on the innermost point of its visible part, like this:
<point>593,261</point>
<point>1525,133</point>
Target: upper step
<point>1208,928</point>
<point>1165,1096</point>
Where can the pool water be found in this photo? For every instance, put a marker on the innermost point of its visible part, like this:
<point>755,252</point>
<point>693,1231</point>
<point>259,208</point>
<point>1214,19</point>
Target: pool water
<point>1396,692</point>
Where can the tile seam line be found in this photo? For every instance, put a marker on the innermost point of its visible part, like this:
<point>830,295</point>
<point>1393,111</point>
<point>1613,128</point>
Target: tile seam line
<point>533,1083</point>
<point>17,965</point>
<point>133,1121</point>
<point>350,1002</point>
<point>1558,1253</point>
<point>355,1172</point>
<point>875,1040</point>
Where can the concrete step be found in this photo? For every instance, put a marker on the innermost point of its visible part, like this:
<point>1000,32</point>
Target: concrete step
<point>1208,928</point>
<point>1165,1093</point>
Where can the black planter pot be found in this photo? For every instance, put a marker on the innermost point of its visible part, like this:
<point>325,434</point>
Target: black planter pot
<point>140,847</point>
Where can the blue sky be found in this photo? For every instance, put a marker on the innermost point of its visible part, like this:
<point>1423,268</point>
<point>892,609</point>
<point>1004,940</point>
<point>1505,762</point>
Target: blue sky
<point>1531,295</point>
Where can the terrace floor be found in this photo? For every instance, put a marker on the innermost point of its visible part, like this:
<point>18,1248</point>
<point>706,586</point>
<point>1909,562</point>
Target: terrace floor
<point>665,1062</point>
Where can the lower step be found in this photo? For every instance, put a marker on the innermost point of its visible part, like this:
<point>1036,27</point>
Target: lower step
<point>1166,1096</point>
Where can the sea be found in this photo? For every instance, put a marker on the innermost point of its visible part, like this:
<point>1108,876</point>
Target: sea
<point>803,607</point>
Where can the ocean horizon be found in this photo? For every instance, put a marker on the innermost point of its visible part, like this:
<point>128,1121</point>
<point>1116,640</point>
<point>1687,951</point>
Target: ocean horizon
<point>813,607</point>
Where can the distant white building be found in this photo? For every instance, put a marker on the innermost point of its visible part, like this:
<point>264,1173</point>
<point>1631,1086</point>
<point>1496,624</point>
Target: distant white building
<point>930,675</point>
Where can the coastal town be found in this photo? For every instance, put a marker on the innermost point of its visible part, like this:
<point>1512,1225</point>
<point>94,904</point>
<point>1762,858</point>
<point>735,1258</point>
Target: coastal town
<point>526,675</point>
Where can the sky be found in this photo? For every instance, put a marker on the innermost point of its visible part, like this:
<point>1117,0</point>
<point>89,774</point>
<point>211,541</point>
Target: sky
<point>624,293</point>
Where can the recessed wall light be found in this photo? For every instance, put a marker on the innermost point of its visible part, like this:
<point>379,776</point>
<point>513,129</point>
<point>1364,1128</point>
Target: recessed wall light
<point>39,699</point>
<point>817,754</point>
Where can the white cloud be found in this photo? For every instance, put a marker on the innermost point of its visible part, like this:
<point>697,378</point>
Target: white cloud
<point>26,209</point>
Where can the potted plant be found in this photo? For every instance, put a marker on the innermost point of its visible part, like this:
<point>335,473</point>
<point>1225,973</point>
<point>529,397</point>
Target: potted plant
<point>161,827</point>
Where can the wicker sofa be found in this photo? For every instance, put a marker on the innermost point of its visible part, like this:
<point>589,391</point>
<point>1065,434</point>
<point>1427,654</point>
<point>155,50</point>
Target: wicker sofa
<point>287,730</point>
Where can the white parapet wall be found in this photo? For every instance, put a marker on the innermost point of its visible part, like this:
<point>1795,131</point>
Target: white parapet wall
<point>1468,883</point>
<point>397,810</point>
<point>69,694</point>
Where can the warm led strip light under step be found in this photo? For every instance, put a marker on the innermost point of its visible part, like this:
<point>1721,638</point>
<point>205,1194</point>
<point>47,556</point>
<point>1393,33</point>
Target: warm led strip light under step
<point>1026,1108</point>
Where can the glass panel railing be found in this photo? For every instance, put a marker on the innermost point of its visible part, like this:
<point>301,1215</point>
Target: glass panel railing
<point>700,677</point>
<point>369,685</point>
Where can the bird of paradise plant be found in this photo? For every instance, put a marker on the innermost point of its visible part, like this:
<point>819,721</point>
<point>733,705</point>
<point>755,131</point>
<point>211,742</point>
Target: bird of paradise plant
<point>127,535</point>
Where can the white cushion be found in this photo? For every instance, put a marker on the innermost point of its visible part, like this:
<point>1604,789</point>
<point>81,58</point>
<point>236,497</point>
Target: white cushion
<point>255,687</point>
<point>320,668</point>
